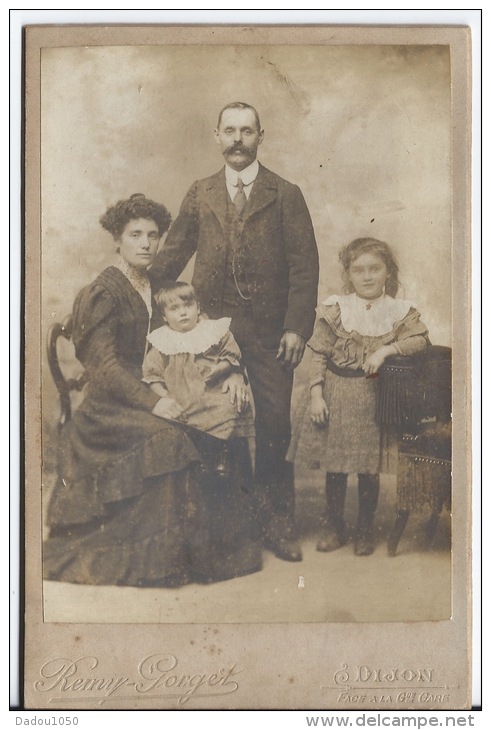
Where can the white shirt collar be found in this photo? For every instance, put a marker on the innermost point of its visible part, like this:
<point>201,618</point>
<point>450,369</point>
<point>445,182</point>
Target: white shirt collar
<point>247,175</point>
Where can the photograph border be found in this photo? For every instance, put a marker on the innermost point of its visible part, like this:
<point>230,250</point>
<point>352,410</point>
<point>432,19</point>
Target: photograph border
<point>35,633</point>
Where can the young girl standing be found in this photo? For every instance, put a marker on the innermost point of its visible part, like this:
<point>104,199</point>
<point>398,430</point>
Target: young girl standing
<point>335,427</point>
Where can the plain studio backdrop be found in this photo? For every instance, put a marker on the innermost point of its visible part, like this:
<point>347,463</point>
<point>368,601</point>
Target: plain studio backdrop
<point>363,130</point>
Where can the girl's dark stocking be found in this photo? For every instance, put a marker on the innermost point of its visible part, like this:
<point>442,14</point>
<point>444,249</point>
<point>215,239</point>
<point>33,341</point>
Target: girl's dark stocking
<point>368,492</point>
<point>334,529</point>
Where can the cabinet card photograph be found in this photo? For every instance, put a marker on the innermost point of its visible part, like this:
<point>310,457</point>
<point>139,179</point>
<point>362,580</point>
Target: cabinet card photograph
<point>247,380</point>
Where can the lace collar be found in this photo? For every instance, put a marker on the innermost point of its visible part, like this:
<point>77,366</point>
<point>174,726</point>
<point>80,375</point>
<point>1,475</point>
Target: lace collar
<point>208,332</point>
<point>138,280</point>
<point>369,317</point>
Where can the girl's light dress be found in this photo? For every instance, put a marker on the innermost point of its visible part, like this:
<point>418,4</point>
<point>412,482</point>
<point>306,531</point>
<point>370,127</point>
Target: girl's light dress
<point>180,361</point>
<point>347,331</point>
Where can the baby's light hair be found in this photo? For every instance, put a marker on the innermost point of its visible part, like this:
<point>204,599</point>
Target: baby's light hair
<point>175,290</point>
<point>357,248</point>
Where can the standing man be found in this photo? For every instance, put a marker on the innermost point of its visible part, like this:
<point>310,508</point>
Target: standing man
<point>256,262</point>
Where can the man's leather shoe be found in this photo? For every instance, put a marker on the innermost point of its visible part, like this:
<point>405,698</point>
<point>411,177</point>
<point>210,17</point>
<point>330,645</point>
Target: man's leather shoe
<point>285,549</point>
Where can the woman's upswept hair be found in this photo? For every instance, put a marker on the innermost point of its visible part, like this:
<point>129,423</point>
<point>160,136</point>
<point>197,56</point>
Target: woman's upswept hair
<point>359,246</point>
<point>117,217</point>
<point>175,290</point>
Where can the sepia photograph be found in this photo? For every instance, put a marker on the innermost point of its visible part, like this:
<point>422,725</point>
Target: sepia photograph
<point>247,299</point>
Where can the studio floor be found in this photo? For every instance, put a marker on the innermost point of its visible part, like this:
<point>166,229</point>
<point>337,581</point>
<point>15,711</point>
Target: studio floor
<point>415,585</point>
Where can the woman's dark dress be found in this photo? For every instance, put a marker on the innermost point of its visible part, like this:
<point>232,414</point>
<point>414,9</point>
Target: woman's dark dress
<point>128,507</point>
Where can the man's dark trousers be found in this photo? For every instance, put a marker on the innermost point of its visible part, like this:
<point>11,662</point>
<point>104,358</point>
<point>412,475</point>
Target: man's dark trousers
<point>271,384</point>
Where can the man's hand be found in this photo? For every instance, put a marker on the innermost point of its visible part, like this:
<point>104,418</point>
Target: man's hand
<point>235,386</point>
<point>291,349</point>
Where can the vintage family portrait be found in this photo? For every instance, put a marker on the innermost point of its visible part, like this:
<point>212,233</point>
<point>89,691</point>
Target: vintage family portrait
<point>247,292</point>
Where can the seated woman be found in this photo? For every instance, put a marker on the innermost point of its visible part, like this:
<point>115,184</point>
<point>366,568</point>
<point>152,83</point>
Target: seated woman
<point>128,507</point>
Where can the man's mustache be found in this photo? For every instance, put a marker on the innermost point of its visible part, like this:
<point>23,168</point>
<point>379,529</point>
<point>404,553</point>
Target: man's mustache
<point>235,148</point>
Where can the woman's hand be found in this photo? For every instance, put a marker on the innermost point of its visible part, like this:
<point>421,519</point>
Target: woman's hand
<point>375,361</point>
<point>168,408</point>
<point>235,386</point>
<point>319,412</point>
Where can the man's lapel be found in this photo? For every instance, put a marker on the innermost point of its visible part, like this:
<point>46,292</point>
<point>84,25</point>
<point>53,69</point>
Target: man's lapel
<point>263,193</point>
<point>216,196</point>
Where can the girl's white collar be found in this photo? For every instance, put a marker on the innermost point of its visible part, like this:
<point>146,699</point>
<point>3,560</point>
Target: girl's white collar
<point>369,303</point>
<point>208,332</point>
<point>375,320</point>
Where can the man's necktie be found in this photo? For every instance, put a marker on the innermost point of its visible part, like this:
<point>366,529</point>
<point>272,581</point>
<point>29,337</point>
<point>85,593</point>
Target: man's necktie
<point>240,199</point>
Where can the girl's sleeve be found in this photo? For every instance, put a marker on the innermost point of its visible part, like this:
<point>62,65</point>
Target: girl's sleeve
<point>152,370</point>
<point>411,334</point>
<point>318,369</point>
<point>95,324</point>
<point>228,349</point>
<point>321,344</point>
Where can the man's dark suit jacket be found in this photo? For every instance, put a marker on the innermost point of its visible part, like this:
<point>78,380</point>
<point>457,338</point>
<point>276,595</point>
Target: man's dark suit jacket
<point>278,244</point>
